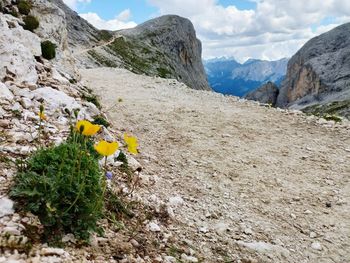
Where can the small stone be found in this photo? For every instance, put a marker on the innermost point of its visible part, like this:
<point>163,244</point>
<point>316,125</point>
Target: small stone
<point>69,238</point>
<point>6,207</point>
<point>26,103</point>
<point>313,235</point>
<point>175,201</point>
<point>248,231</point>
<point>50,251</point>
<point>11,231</point>
<point>187,258</point>
<point>316,246</point>
<point>203,230</point>
<point>153,227</point>
<point>307,212</point>
<point>169,259</point>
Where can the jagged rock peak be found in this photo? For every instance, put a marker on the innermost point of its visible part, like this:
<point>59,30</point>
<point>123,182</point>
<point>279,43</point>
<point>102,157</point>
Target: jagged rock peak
<point>319,71</point>
<point>267,93</point>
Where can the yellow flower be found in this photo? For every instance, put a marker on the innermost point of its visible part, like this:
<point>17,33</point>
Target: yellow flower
<point>106,148</point>
<point>131,142</point>
<point>87,128</point>
<point>42,115</point>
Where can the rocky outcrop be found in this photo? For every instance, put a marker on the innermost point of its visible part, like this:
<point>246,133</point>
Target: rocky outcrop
<point>18,48</point>
<point>165,46</point>
<point>172,43</point>
<point>319,72</point>
<point>81,34</point>
<point>53,27</point>
<point>267,94</point>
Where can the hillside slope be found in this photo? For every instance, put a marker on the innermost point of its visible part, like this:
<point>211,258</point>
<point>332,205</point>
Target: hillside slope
<point>319,73</point>
<point>246,183</point>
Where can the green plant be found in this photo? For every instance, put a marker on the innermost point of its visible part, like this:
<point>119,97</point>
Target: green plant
<point>93,99</point>
<point>62,185</point>
<point>48,50</point>
<point>101,121</point>
<point>24,7</point>
<point>14,12</point>
<point>30,23</point>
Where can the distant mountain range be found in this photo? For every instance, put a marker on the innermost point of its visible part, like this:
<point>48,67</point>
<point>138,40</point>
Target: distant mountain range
<point>227,76</point>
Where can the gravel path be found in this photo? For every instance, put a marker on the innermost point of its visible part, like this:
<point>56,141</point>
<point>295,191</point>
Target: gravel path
<point>258,184</point>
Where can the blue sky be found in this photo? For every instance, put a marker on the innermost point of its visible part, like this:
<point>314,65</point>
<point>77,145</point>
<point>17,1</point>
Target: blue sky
<point>263,29</point>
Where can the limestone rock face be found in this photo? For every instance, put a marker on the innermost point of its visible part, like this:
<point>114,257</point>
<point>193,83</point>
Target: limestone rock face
<point>18,48</point>
<point>267,93</point>
<point>320,71</point>
<point>80,32</point>
<point>53,27</point>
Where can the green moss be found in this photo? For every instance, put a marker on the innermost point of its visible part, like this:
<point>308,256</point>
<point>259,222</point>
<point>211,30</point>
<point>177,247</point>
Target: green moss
<point>93,99</point>
<point>101,121</point>
<point>24,7</point>
<point>48,50</point>
<point>163,72</point>
<point>30,23</point>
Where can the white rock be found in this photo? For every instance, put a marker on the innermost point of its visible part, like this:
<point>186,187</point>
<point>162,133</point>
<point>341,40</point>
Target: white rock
<point>316,246</point>
<point>11,231</point>
<point>153,227</point>
<point>22,92</point>
<point>50,251</point>
<point>6,207</point>
<point>18,48</point>
<point>55,99</point>
<point>57,76</point>
<point>221,228</point>
<point>16,107</point>
<point>5,93</point>
<point>169,259</point>
<point>187,258</point>
<point>175,201</point>
<point>26,103</point>
<point>203,230</point>
<point>262,247</point>
<point>133,164</point>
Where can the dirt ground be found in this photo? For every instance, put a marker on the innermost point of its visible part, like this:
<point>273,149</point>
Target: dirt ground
<point>253,184</point>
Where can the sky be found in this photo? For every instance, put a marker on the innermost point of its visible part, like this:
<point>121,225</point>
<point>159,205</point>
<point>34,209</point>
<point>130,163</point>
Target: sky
<point>243,29</point>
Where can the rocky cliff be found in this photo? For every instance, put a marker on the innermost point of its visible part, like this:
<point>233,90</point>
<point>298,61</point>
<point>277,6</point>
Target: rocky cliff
<point>165,46</point>
<point>319,73</point>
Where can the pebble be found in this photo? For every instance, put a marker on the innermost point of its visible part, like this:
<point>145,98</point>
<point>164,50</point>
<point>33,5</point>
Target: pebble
<point>153,227</point>
<point>186,258</point>
<point>175,201</point>
<point>6,207</point>
<point>313,235</point>
<point>316,246</point>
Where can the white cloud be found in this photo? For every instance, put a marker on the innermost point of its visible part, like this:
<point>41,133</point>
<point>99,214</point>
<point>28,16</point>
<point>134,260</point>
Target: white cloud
<point>73,3</point>
<point>275,29</point>
<point>119,22</point>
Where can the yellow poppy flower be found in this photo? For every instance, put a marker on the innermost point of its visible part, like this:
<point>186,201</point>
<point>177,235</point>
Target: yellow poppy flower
<point>42,115</point>
<point>87,128</point>
<point>131,142</point>
<point>106,148</point>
